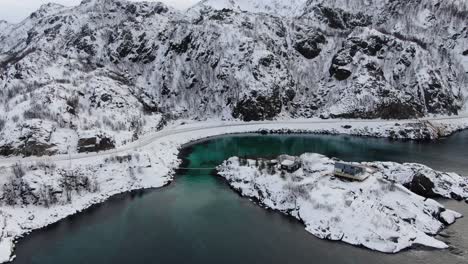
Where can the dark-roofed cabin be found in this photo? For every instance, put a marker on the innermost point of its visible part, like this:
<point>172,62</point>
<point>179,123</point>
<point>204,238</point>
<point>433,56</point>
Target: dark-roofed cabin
<point>289,163</point>
<point>350,171</point>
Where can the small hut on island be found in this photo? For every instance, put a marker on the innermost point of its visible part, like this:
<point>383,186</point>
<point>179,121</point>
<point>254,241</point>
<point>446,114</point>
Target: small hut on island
<point>289,163</point>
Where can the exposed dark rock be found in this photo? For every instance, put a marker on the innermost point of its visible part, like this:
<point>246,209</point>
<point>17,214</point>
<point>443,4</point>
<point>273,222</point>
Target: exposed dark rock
<point>32,148</point>
<point>340,19</point>
<point>6,150</point>
<point>423,186</point>
<point>397,110</point>
<point>386,110</point>
<point>28,148</point>
<point>106,97</point>
<point>310,46</point>
<point>95,144</point>
<point>84,41</point>
<point>375,44</point>
<point>126,46</point>
<point>258,108</point>
<point>160,9</point>
<point>221,14</point>
<point>182,46</point>
<point>339,73</point>
<point>290,94</point>
<point>148,103</point>
<point>456,196</point>
<point>437,100</point>
<point>266,61</point>
<point>52,32</point>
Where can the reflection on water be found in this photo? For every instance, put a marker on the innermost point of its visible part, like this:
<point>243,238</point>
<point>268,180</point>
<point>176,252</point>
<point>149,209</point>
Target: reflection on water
<point>198,219</point>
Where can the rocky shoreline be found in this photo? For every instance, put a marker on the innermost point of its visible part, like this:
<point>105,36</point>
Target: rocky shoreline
<point>148,164</point>
<point>417,131</point>
<point>379,213</point>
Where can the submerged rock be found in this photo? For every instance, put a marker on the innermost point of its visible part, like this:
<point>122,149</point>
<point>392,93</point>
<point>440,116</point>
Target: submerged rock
<point>379,213</point>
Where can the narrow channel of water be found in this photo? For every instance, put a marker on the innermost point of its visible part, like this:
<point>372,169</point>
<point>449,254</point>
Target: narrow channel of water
<point>198,219</point>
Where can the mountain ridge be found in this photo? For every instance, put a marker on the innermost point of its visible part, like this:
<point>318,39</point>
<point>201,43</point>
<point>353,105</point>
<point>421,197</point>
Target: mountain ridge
<point>113,70</point>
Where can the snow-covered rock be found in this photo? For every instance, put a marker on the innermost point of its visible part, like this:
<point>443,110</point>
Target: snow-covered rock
<point>273,7</point>
<point>423,180</point>
<point>378,213</point>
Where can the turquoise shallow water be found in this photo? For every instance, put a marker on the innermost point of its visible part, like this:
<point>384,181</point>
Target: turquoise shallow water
<point>198,219</point>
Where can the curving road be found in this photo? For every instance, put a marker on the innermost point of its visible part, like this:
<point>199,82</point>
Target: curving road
<point>181,129</point>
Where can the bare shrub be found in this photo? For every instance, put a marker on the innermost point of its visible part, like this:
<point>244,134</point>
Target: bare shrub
<point>137,156</point>
<point>136,124</point>
<point>11,191</point>
<point>73,182</point>
<point>23,88</point>
<point>37,111</point>
<point>243,161</point>
<point>131,173</point>
<point>47,196</point>
<point>94,186</point>
<point>271,169</point>
<point>261,165</point>
<point>115,126</point>
<point>46,166</point>
<point>18,170</point>
<point>2,124</point>
<point>119,159</point>
<point>73,103</point>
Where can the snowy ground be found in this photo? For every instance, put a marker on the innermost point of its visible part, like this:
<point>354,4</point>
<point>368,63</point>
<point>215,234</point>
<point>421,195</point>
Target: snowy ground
<point>378,213</point>
<point>147,163</point>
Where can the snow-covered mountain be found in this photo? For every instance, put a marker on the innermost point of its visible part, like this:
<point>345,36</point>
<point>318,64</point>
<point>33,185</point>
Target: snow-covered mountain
<point>273,7</point>
<point>102,73</point>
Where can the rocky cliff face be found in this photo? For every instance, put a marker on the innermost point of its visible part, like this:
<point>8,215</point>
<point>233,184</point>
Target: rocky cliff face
<point>111,67</point>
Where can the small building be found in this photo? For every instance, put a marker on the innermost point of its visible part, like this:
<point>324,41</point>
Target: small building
<point>273,162</point>
<point>350,171</point>
<point>289,163</point>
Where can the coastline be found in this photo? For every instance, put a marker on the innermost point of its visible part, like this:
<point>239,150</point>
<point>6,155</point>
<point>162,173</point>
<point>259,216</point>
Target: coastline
<point>398,215</point>
<point>159,160</point>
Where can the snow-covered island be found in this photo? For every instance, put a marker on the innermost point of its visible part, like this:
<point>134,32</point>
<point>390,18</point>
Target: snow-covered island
<point>381,213</point>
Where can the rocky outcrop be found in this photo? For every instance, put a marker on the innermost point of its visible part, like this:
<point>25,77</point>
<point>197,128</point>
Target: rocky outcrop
<point>258,108</point>
<point>310,44</point>
<point>422,185</point>
<point>378,213</point>
<point>337,18</point>
<point>34,140</point>
<point>424,181</point>
<point>95,144</point>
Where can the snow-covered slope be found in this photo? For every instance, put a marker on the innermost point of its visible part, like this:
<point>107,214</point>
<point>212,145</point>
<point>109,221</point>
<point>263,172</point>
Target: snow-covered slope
<point>113,70</point>
<point>274,7</point>
<point>3,26</point>
<point>378,213</point>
